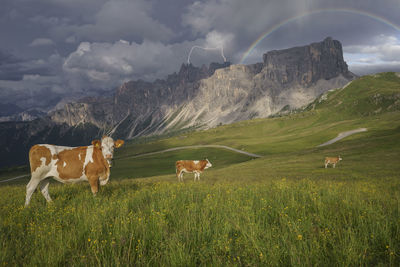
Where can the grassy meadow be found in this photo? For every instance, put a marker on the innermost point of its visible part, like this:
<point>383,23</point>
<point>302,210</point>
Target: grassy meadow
<point>281,209</point>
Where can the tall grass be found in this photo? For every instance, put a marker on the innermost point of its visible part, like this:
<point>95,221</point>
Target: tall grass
<point>243,212</point>
<point>275,223</point>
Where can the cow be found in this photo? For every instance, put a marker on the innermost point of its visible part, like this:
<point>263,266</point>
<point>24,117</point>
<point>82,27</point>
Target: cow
<point>191,166</point>
<point>332,160</point>
<point>70,165</point>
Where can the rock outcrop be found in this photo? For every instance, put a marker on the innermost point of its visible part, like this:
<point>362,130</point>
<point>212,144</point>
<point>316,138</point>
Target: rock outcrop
<point>307,64</point>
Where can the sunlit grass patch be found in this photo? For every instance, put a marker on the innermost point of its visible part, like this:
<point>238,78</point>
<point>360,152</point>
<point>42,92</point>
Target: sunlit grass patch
<point>279,222</point>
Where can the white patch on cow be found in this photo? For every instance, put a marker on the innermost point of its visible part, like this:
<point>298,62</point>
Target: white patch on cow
<point>88,158</point>
<point>65,164</point>
<point>39,169</point>
<point>107,147</point>
<point>71,181</point>
<point>79,155</point>
<point>54,150</point>
<point>196,162</point>
<point>89,155</point>
<point>208,165</point>
<point>43,160</point>
<point>104,181</point>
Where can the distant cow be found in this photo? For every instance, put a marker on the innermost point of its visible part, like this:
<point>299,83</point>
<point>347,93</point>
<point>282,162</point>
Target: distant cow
<point>332,160</point>
<point>191,166</point>
<point>70,165</point>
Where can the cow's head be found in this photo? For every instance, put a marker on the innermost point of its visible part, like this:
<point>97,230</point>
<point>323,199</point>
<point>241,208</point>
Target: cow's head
<point>107,145</point>
<point>208,165</point>
<point>340,158</point>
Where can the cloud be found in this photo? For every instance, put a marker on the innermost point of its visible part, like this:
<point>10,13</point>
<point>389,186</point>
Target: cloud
<point>364,69</point>
<point>14,68</point>
<point>218,39</point>
<point>41,42</point>
<point>236,16</point>
<point>249,20</point>
<point>107,65</point>
<point>382,54</point>
<point>117,19</point>
<point>32,82</point>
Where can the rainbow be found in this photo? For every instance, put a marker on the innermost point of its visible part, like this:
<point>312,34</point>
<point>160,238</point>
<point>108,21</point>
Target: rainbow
<point>317,11</point>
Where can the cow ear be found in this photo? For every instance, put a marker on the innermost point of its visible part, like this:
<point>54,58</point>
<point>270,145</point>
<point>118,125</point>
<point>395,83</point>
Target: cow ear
<point>96,143</point>
<point>119,143</point>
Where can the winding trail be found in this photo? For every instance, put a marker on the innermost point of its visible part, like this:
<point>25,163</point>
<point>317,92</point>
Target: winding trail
<point>15,178</point>
<point>339,137</point>
<point>198,146</point>
<point>343,135</point>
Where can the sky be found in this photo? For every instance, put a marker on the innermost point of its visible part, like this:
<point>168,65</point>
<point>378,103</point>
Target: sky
<point>52,51</point>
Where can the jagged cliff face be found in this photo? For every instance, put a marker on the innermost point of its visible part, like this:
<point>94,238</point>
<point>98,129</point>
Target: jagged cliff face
<point>138,107</point>
<point>306,65</point>
<point>222,93</point>
<point>97,111</point>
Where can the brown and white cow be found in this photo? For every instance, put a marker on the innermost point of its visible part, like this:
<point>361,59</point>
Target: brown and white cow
<point>70,165</point>
<point>332,160</point>
<point>191,166</point>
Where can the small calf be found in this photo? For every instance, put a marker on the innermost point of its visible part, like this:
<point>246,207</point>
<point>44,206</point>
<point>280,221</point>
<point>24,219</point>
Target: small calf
<point>192,166</point>
<point>332,160</point>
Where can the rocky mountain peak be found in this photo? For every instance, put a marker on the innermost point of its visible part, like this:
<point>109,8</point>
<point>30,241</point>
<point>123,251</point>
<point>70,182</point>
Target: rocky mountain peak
<point>306,64</point>
<point>190,73</point>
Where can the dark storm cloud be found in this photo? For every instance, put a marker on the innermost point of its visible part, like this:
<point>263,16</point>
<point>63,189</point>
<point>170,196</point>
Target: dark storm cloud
<point>69,47</point>
<point>13,68</point>
<point>118,20</point>
<point>249,19</point>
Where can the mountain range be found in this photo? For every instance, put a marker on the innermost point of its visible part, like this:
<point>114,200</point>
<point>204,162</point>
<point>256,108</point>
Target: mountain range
<point>193,98</point>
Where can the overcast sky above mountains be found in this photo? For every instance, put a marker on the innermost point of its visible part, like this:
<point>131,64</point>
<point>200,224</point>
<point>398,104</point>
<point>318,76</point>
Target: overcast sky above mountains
<point>73,47</point>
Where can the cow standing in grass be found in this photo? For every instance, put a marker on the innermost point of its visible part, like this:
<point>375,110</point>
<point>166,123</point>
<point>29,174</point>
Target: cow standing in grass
<point>70,165</point>
<point>191,166</point>
<point>332,160</point>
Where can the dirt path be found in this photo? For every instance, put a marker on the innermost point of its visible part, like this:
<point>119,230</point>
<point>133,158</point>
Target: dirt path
<point>343,135</point>
<point>15,178</point>
<point>198,146</point>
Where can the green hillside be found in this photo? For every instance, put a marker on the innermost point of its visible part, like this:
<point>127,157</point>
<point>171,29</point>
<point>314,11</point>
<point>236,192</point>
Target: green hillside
<point>281,209</point>
<point>371,102</point>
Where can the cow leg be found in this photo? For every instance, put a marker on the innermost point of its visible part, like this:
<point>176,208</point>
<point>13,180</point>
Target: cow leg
<point>30,188</point>
<point>334,165</point>
<point>326,165</point>
<point>94,185</point>
<point>44,188</point>
<point>181,176</point>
